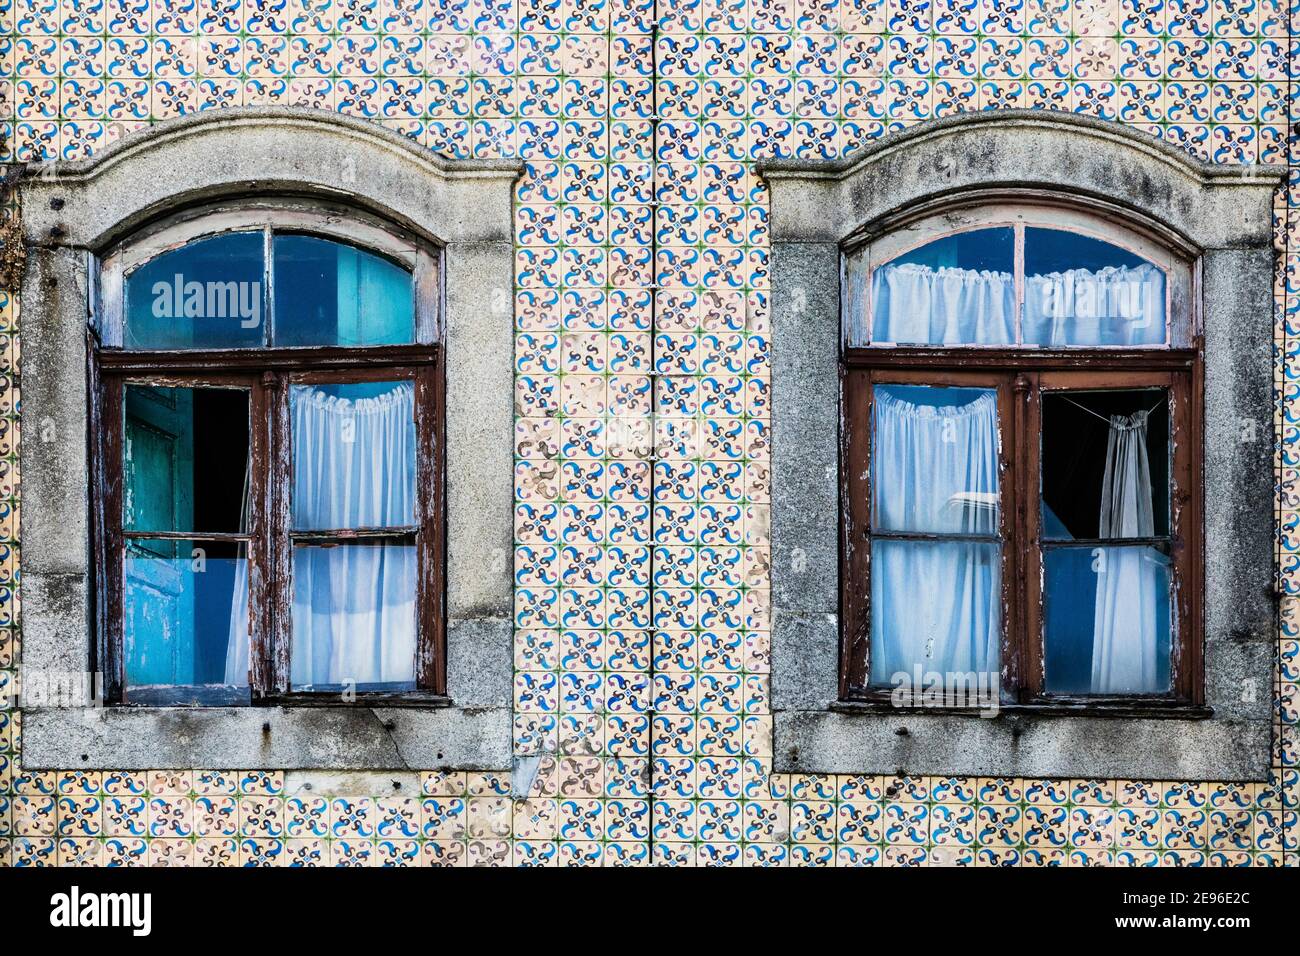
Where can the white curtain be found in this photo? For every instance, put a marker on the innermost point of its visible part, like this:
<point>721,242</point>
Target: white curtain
<point>935,469</point>
<point>353,605</point>
<point>914,304</point>
<point>1113,306</point>
<point>1131,580</point>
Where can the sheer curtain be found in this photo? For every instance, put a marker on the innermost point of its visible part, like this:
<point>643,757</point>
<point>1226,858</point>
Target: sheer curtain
<point>1131,580</point>
<point>935,471</point>
<point>915,304</point>
<point>1118,305</point>
<point>353,604</point>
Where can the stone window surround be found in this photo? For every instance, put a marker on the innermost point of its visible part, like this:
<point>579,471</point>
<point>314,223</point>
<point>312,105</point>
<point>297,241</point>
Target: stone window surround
<point>74,211</point>
<point>1224,212</point>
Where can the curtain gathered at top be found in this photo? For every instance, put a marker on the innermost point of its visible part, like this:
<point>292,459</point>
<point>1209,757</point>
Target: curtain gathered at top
<point>1118,305</point>
<point>935,470</point>
<point>353,605</point>
<point>1132,580</point>
<point>917,304</point>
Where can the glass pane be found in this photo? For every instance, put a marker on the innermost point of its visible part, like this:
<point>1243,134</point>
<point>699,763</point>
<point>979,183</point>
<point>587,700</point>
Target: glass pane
<point>328,293</point>
<point>185,459</point>
<point>1107,620</point>
<point>1082,291</point>
<point>1105,466</point>
<point>354,616</point>
<point>186,617</point>
<point>934,461</point>
<point>935,605</point>
<point>353,455</point>
<point>958,290</point>
<point>207,294</point>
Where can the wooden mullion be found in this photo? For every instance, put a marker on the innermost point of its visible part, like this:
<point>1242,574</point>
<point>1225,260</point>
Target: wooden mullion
<point>938,537</point>
<point>157,363</point>
<point>1028,682</point>
<point>353,375</point>
<point>236,537</point>
<point>277,604</point>
<point>1185,505</point>
<point>354,535</point>
<point>106,422</point>
<point>261,409</point>
<point>855,541</point>
<point>431,657</point>
<point>1064,543</point>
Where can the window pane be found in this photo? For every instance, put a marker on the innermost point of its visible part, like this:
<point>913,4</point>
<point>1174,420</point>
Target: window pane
<point>935,605</point>
<point>1105,457</point>
<point>1082,291</point>
<point>1105,475</point>
<point>185,459</point>
<point>1107,620</point>
<point>354,616</point>
<point>934,462</point>
<point>353,455</point>
<point>186,617</point>
<point>934,470</point>
<point>958,290</point>
<point>328,293</point>
<point>207,294</point>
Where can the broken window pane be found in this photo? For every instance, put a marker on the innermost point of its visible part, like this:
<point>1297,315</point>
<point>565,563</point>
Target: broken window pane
<point>185,459</point>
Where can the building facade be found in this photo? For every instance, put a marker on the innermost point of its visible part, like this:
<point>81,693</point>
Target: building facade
<point>644,149</point>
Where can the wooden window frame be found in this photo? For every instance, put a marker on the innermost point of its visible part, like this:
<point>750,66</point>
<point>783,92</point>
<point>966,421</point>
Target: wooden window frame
<point>1021,376</point>
<point>267,373</point>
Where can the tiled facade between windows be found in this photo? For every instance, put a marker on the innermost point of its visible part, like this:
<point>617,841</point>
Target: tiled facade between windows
<point>642,389</point>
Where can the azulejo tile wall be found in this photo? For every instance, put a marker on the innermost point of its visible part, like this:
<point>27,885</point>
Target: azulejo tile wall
<point>642,388</point>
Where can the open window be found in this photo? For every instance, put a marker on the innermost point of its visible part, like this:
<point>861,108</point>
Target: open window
<point>1031,526</point>
<point>267,491</point>
<point>1022,377</point>
<point>268,398</point>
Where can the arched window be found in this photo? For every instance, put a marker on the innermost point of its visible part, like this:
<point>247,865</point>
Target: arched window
<point>267,480</point>
<point>1022,375</point>
<point>268,387</point>
<point>1000,275</point>
<point>1019,398</point>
